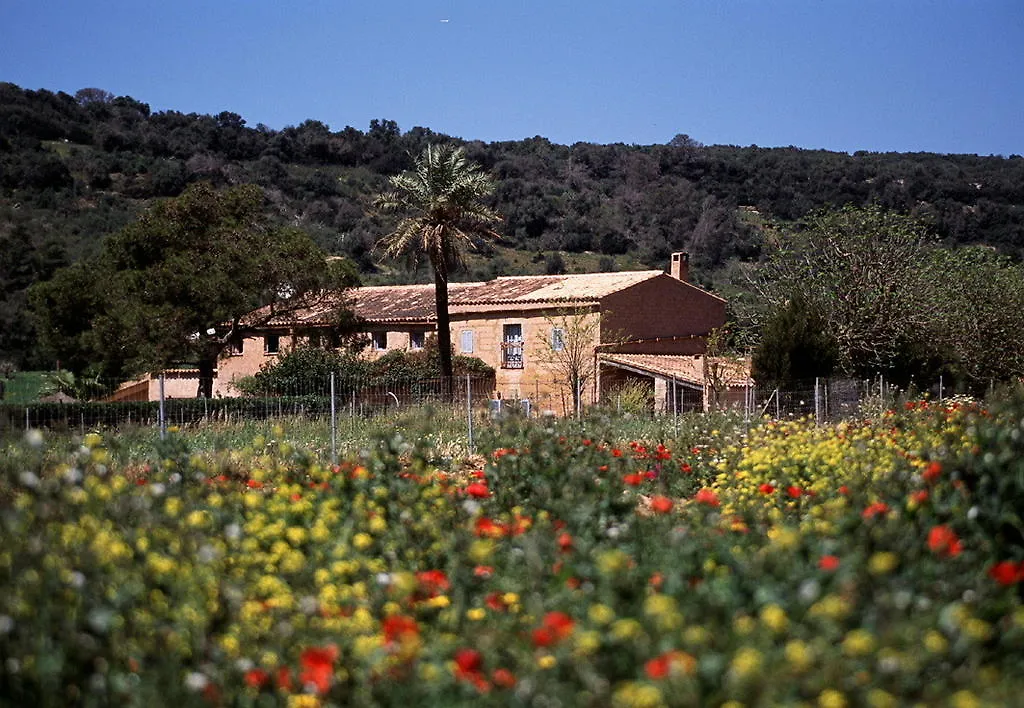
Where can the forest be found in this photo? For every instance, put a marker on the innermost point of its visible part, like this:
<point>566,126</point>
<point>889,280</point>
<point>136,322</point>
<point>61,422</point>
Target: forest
<point>75,169</point>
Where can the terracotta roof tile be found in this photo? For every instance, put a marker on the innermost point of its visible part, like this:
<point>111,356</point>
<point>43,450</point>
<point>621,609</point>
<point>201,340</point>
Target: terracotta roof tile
<point>689,369</point>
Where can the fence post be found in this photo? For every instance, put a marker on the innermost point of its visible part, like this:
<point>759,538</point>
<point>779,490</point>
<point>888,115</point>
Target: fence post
<point>26,418</point>
<point>469,412</point>
<point>162,419</point>
<point>334,426</point>
<point>817,402</point>
<point>777,407</point>
<point>940,388</point>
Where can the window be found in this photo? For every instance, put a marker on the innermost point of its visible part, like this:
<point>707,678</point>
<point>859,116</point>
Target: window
<point>466,341</point>
<point>512,346</point>
<point>557,339</point>
<point>235,346</point>
<point>313,341</point>
<point>380,340</point>
<point>271,343</point>
<point>416,340</point>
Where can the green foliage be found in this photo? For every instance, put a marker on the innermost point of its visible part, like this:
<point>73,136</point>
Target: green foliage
<point>174,285</point>
<point>795,346</point>
<point>308,369</point>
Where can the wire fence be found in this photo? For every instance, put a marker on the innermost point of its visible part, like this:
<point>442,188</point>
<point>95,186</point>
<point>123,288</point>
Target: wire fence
<point>163,402</point>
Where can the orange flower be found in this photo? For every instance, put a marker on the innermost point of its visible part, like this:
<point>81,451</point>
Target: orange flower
<point>876,509</point>
<point>707,496</point>
<point>661,505</point>
<point>478,490</point>
<point>943,541</point>
<point>503,678</point>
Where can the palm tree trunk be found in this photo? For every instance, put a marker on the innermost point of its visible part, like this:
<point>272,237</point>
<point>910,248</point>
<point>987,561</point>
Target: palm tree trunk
<point>444,333</point>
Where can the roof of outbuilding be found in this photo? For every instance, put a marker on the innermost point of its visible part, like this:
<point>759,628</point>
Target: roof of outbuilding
<point>684,368</point>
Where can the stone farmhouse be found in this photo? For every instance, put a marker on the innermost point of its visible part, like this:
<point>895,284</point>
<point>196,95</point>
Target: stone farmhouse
<point>648,326</point>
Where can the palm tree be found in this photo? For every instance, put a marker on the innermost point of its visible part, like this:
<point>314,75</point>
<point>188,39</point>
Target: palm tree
<point>446,216</point>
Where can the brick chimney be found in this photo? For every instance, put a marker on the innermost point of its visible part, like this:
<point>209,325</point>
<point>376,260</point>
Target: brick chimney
<point>680,266</point>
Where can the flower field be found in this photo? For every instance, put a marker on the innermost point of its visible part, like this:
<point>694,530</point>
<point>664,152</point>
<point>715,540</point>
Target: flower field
<point>876,563</point>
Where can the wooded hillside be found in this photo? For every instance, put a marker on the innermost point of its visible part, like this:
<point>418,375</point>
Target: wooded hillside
<point>74,169</point>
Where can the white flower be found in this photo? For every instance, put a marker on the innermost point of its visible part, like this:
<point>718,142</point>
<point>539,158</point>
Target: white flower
<point>34,438</point>
<point>73,475</point>
<point>471,506</point>
<point>29,479</point>
<point>233,532</point>
<point>196,681</point>
<point>6,624</point>
<point>157,489</point>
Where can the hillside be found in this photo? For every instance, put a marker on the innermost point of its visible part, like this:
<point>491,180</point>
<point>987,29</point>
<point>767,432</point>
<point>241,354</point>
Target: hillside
<point>75,168</point>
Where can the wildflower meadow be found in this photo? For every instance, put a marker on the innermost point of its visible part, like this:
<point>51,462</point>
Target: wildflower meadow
<point>875,562</point>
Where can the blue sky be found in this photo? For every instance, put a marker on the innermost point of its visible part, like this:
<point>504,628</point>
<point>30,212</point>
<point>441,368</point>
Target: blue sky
<point>881,75</point>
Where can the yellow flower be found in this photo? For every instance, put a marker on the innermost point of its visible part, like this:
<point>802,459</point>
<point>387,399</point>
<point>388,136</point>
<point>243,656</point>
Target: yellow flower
<point>546,661</point>
<point>877,698</point>
<point>637,695</point>
<point>362,541</point>
<point>612,562</point>
<point>799,655</point>
<point>830,698</point>
<point>774,618</point>
<point>883,562</point>
<point>665,611</point>
<point>935,642</point>
<point>626,629</point>
<point>743,625</point>
<point>977,629</point>
<point>303,700</point>
<point>600,614</point>
<point>859,642</point>
<point>964,699</point>
<point>586,643</point>
<point>476,614</point>
<point>746,662</point>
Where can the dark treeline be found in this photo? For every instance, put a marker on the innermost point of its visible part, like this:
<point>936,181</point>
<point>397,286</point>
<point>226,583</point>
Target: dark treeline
<point>74,168</point>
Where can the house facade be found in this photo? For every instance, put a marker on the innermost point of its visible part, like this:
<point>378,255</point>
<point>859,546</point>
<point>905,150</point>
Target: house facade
<point>525,327</point>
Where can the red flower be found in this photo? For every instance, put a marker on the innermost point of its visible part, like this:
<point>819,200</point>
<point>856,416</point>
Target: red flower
<point>766,488</point>
<point>503,678</point>
<point>478,490</point>
<point>876,509</point>
<point>398,627</point>
<point>318,667</point>
<point>661,505</point>
<point>665,664</point>
<point>555,627</point>
<point>565,542</point>
<point>487,527</point>
<point>920,496</point>
<point>828,563</point>
<point>943,541</point>
<point>707,496</point>
<point>257,678</point>
<point>634,480</point>
<point>496,602</point>
<point>1007,572</point>
<point>483,571</point>
<point>794,491</point>
<point>468,667</point>
<point>284,678</point>
<point>685,467</point>
<point>932,472</point>
<point>433,582</point>
<point>616,452</point>
<point>844,490</point>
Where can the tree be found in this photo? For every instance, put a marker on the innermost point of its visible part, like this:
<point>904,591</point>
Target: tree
<point>181,282</point>
<point>566,348</point>
<point>443,200</point>
<point>795,346</point>
<point>864,272</point>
